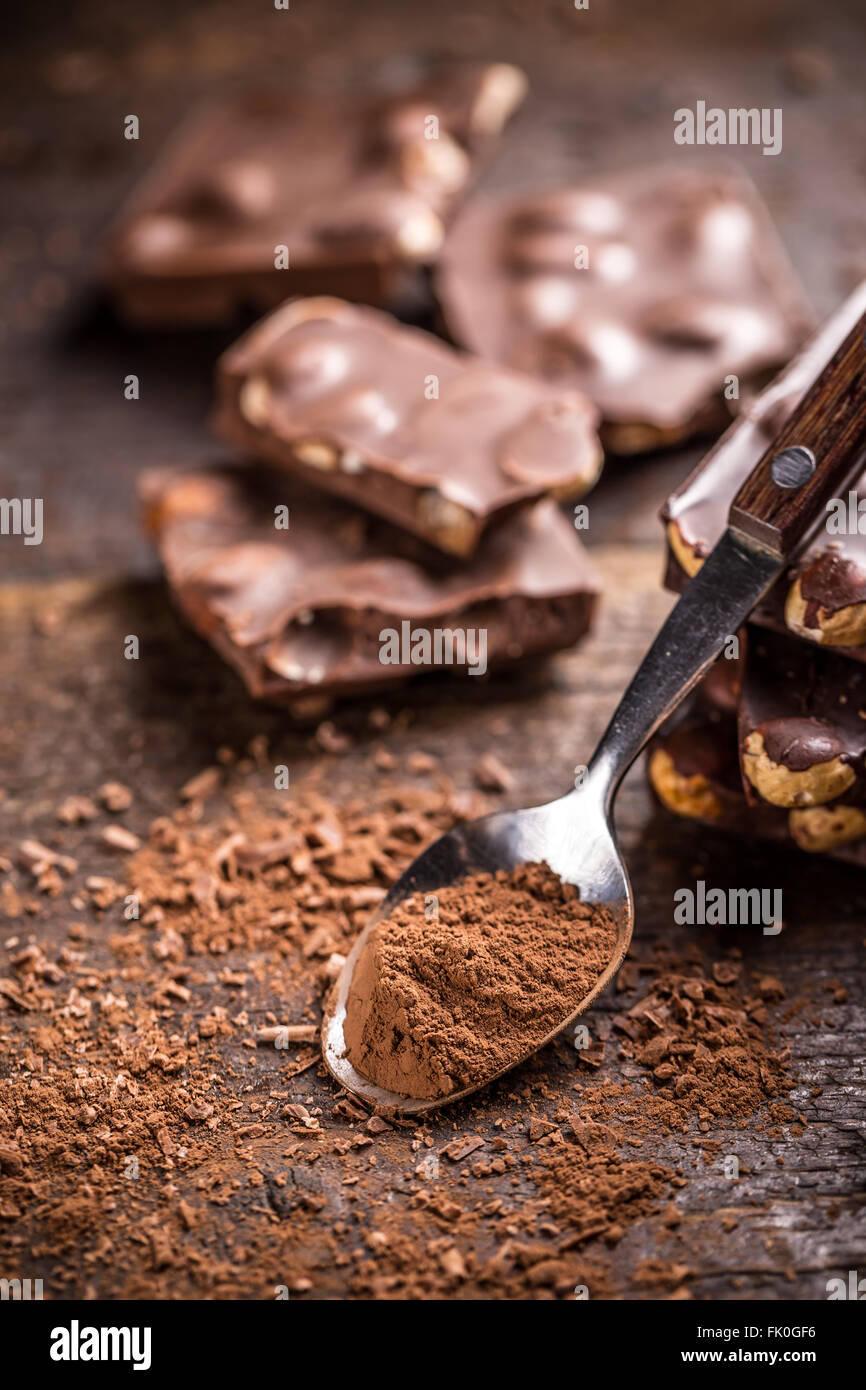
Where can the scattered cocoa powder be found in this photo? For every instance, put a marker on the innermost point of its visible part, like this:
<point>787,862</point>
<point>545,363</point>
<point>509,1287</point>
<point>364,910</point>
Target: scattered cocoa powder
<point>451,990</point>
<point>702,1060</point>
<point>167,1128</point>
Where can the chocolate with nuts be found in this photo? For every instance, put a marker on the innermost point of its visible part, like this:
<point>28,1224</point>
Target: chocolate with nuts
<point>802,724</point>
<point>355,191</point>
<point>391,418</point>
<point>823,597</point>
<point>691,767</point>
<point>300,612</point>
<point>694,770</point>
<point>644,290</point>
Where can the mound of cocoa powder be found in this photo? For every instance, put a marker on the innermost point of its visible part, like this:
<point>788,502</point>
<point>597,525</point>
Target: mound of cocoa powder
<point>446,996</point>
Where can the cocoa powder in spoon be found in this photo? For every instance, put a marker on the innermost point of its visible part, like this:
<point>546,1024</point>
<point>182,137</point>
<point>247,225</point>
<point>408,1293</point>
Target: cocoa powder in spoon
<point>453,988</point>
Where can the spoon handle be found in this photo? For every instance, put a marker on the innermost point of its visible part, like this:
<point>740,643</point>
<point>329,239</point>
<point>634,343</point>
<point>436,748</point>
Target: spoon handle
<point>812,455</point>
<point>820,448</point>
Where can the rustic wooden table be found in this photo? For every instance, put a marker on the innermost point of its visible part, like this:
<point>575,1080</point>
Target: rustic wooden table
<point>75,714</point>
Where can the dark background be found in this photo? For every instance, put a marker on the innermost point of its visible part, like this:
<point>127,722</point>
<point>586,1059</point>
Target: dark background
<point>605,84</point>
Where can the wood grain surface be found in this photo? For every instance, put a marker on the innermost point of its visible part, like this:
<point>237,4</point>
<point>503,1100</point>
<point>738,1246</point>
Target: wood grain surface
<point>74,712</point>
<point>798,1209</point>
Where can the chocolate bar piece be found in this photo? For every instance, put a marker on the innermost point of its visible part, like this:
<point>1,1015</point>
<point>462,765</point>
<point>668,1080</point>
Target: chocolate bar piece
<point>269,196</point>
<point>644,290</point>
<point>340,602</point>
<point>823,597</point>
<point>802,724</point>
<point>694,771</point>
<point>391,418</point>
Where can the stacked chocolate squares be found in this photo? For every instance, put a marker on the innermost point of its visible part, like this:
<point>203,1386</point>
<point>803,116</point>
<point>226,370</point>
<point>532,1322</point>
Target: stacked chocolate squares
<point>392,488</point>
<point>773,743</point>
<point>406,521</point>
<point>391,482</point>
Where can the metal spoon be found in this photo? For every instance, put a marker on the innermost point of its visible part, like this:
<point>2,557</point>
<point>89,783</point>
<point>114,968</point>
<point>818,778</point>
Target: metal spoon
<point>817,451</point>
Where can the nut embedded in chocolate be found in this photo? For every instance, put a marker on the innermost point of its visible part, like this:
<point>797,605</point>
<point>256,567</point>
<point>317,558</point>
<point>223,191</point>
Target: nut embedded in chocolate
<point>688,557</point>
<point>699,755</point>
<point>686,794</point>
<point>241,190</point>
<point>439,163</point>
<point>822,828</point>
<point>802,723</point>
<point>451,526</point>
<point>817,782</point>
<point>826,602</point>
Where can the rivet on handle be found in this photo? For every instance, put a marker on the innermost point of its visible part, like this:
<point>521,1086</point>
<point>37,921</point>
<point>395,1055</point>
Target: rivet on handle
<point>793,467</point>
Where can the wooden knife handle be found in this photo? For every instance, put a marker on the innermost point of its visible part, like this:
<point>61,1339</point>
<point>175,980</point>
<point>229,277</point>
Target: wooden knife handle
<point>817,452</point>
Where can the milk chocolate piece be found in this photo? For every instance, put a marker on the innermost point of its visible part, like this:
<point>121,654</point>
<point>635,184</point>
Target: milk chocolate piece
<point>802,724</point>
<point>391,418</point>
<point>823,596</point>
<point>694,771</point>
<point>356,192</point>
<point>301,612</point>
<point>645,290</point>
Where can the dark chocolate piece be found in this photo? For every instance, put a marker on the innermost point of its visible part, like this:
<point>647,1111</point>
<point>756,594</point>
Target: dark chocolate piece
<point>693,764</point>
<point>301,612</point>
<point>802,723</point>
<point>644,290</point>
<point>694,771</point>
<point>823,597</point>
<point>354,192</point>
<point>394,420</point>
